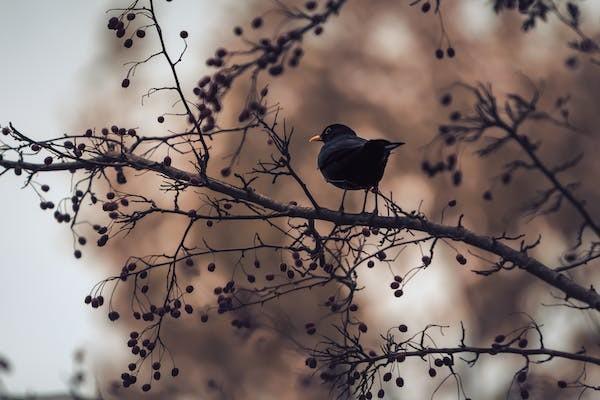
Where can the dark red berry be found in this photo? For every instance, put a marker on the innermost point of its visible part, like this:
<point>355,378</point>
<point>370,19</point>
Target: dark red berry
<point>562,384</point>
<point>257,22</point>
<point>311,5</point>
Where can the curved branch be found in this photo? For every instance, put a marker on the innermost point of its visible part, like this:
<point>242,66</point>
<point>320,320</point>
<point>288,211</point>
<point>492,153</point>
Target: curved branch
<point>457,233</point>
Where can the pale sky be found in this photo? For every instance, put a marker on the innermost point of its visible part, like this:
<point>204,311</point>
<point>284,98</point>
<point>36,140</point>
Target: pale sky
<point>45,52</point>
<point>44,48</point>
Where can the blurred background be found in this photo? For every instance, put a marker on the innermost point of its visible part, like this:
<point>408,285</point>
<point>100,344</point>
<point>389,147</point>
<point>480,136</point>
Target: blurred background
<point>372,69</point>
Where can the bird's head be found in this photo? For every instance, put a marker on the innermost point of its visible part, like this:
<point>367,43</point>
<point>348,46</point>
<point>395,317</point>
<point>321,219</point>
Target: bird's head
<point>332,132</point>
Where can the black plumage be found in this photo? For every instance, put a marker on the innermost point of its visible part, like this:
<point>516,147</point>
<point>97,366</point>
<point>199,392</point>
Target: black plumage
<point>351,162</point>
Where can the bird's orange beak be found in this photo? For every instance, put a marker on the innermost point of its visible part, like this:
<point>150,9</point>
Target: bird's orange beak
<point>316,138</point>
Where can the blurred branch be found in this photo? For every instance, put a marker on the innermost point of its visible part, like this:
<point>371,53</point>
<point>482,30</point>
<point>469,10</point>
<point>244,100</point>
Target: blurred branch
<point>568,13</point>
<point>509,117</point>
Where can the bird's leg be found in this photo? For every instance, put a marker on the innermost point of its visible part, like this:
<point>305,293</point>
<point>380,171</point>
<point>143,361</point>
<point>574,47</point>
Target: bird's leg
<point>376,191</point>
<point>343,198</point>
<point>365,200</point>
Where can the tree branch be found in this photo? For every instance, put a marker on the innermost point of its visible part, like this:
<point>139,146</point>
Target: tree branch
<point>560,281</point>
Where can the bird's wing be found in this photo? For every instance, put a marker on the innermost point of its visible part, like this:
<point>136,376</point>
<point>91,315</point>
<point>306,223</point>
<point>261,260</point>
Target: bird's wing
<point>339,150</point>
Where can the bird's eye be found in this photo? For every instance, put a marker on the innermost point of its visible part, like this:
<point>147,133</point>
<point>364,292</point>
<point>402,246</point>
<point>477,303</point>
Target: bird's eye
<point>327,131</point>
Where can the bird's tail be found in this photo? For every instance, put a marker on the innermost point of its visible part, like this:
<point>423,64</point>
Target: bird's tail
<point>393,145</point>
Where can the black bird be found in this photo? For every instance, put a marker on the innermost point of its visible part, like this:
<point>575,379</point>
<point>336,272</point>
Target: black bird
<point>351,162</point>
